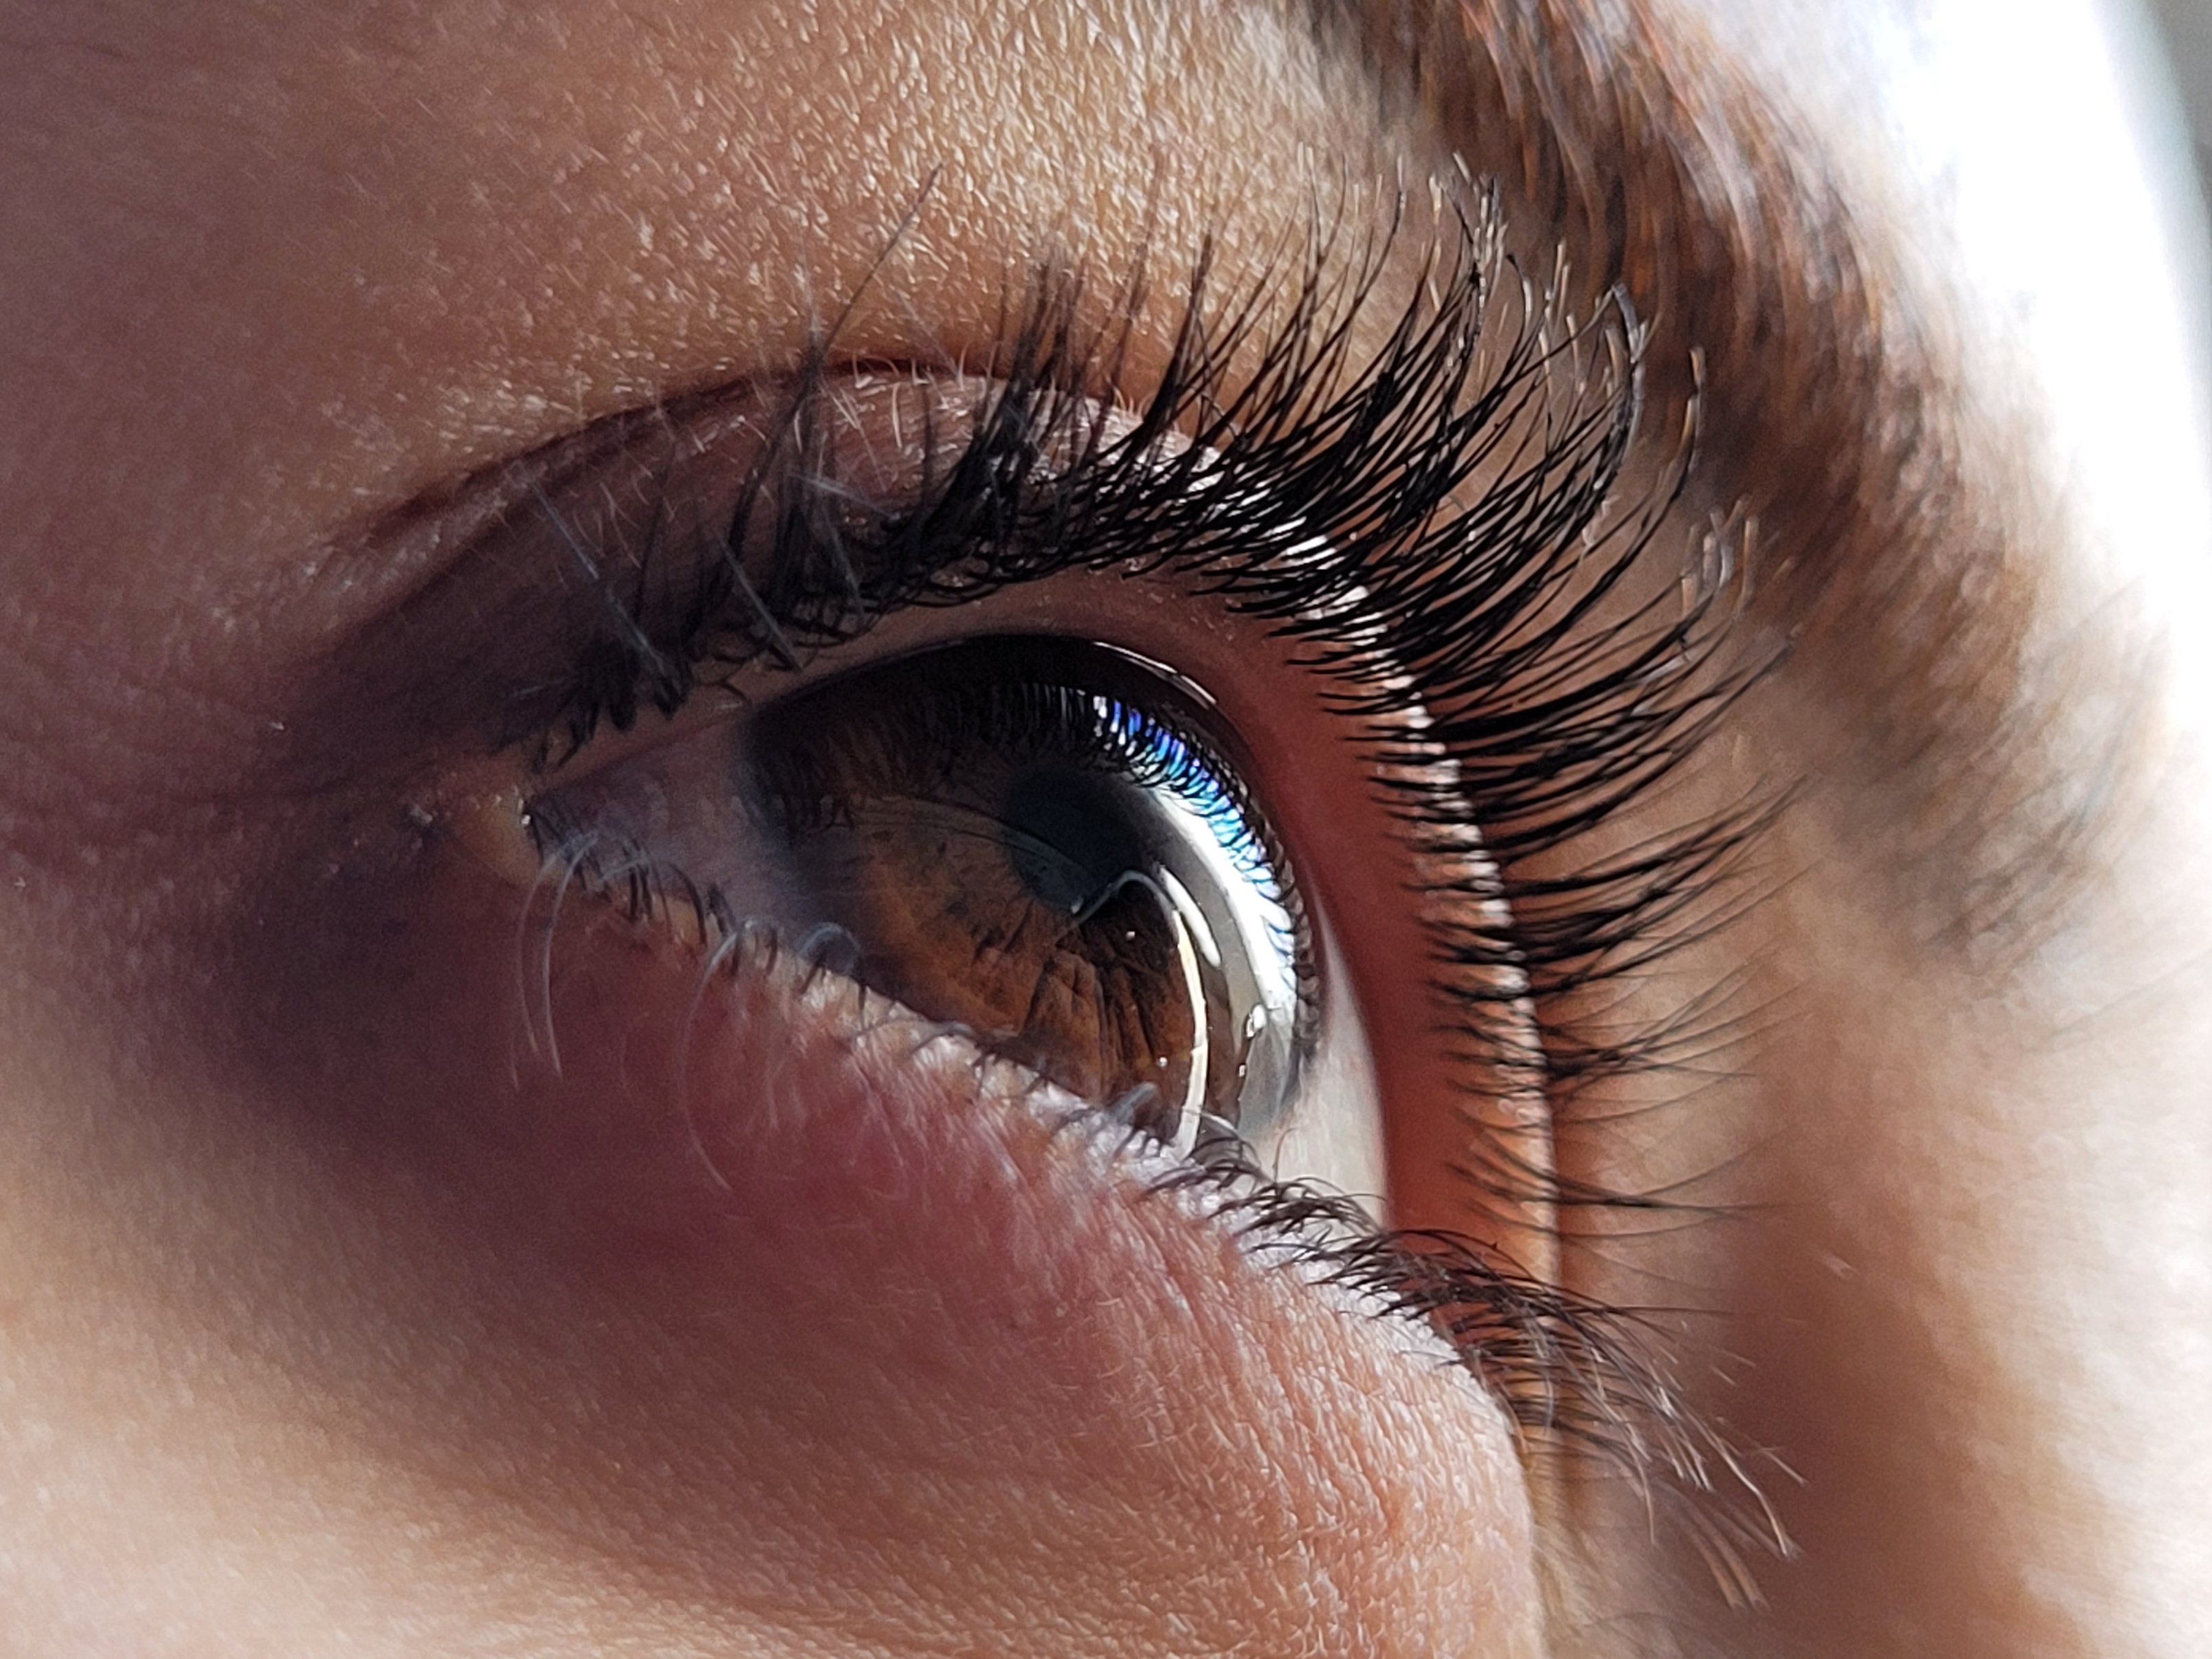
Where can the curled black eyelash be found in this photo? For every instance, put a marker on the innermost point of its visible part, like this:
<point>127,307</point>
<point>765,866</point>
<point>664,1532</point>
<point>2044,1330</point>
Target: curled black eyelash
<point>1436,524</point>
<point>1322,498</point>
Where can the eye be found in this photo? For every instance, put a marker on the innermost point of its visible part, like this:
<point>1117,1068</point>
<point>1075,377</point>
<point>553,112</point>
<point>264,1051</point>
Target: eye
<point>1274,753</point>
<point>1060,848</point>
<point>1039,839</point>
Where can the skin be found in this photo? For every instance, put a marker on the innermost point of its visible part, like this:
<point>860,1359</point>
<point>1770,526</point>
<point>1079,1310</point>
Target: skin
<point>335,1319</point>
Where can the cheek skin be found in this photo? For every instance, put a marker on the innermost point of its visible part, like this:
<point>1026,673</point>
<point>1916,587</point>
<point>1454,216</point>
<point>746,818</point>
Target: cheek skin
<point>860,1348</point>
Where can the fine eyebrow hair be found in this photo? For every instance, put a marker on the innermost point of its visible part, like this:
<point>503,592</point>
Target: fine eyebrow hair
<point>1830,413</point>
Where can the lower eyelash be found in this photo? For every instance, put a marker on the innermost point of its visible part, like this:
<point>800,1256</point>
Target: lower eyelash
<point>1584,1384</point>
<point>1324,501</point>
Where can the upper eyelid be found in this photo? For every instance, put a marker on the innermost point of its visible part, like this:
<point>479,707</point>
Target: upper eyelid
<point>630,517</point>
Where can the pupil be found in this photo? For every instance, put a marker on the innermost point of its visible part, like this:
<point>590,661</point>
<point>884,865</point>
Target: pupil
<point>1069,838</point>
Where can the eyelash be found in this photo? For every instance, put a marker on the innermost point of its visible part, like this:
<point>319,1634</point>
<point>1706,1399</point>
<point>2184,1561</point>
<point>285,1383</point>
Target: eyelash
<point>1320,503</point>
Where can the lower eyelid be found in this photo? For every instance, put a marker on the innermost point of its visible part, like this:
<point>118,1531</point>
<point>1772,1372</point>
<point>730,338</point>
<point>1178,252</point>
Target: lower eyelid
<point>837,1233</point>
<point>787,1111</point>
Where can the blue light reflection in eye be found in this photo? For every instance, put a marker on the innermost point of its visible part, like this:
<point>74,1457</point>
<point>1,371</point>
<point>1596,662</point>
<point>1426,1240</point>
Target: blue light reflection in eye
<point>1165,758</point>
<point>1161,757</point>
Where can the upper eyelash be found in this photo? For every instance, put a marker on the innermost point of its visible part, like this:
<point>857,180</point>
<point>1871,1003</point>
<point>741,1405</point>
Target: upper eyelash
<point>1321,498</point>
<point>1322,504</point>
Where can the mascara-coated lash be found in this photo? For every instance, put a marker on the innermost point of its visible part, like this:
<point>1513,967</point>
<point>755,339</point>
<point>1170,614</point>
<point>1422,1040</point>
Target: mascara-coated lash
<point>1435,528</point>
<point>1435,525</point>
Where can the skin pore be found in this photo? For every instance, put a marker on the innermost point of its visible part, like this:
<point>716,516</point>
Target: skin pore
<point>336,1319</point>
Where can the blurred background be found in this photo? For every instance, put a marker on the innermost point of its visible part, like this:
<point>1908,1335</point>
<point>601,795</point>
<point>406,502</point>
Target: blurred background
<point>2186,26</point>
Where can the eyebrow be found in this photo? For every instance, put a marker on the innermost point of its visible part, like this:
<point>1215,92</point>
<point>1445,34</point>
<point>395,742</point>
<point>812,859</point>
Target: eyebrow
<point>1828,412</point>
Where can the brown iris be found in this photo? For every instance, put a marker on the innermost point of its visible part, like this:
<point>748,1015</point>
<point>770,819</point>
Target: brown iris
<point>1015,844</point>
